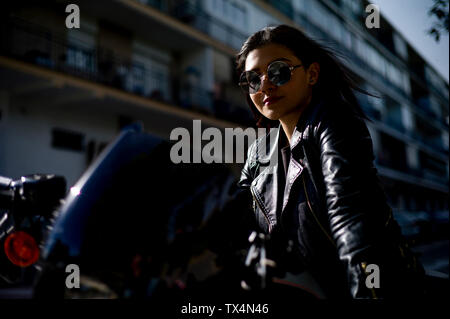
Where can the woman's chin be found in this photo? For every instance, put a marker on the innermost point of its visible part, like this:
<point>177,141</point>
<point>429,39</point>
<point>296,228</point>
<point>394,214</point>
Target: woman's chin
<point>272,115</point>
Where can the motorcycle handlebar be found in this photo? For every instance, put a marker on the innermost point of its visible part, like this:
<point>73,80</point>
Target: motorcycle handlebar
<point>6,192</point>
<point>39,192</point>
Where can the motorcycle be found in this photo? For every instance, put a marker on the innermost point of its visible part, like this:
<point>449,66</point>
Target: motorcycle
<point>27,207</point>
<point>136,225</point>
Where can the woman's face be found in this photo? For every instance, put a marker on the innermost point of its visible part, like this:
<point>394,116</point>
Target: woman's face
<point>289,99</point>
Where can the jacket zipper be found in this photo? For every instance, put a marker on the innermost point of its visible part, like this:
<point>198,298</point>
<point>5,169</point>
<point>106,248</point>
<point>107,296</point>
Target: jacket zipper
<point>260,208</point>
<point>315,217</point>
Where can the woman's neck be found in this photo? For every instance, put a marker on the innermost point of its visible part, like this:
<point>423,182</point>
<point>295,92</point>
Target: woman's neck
<point>288,126</point>
<point>289,121</point>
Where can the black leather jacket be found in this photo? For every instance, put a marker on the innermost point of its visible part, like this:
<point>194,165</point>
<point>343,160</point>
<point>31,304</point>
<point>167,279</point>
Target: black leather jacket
<point>333,206</point>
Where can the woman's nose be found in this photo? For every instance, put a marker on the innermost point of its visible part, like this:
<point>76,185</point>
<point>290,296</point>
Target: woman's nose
<point>266,85</point>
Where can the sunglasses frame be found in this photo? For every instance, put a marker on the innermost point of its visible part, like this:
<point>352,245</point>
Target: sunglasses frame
<point>291,68</point>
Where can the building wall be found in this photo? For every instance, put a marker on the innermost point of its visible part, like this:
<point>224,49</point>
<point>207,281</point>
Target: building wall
<point>26,139</point>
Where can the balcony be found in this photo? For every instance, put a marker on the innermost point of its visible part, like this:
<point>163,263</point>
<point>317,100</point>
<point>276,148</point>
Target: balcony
<point>193,14</point>
<point>351,58</point>
<point>39,46</point>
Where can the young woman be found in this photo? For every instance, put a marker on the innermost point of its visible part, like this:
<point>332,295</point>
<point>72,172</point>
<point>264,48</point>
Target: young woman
<point>323,194</point>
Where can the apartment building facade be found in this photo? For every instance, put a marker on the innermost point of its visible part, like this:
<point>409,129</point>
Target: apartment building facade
<point>66,92</point>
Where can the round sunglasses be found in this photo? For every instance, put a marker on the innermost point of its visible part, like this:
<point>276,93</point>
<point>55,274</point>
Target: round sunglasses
<point>278,73</point>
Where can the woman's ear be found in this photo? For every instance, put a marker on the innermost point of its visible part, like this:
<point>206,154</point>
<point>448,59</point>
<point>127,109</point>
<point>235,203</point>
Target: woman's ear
<point>313,73</point>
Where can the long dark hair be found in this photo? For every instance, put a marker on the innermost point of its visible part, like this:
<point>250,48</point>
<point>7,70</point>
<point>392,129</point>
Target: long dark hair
<point>336,81</point>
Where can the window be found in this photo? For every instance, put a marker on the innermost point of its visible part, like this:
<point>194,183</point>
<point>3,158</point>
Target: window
<point>361,48</point>
<point>67,140</point>
<point>436,81</point>
<point>407,118</point>
<point>138,78</point>
<point>240,16</point>
<point>406,83</point>
<point>435,106</point>
<point>159,82</point>
<point>335,28</point>
<point>346,38</point>
<point>394,75</point>
<point>378,63</point>
<point>226,7</point>
<point>227,16</point>
<point>80,50</point>
<point>319,15</point>
<point>400,46</point>
<point>80,59</point>
<point>375,59</point>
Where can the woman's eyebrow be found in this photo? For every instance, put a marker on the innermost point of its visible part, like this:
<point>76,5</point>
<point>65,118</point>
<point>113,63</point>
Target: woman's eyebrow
<point>277,59</point>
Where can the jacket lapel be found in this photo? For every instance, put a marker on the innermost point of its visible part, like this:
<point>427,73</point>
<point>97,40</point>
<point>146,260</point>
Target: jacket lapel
<point>294,169</point>
<point>265,186</point>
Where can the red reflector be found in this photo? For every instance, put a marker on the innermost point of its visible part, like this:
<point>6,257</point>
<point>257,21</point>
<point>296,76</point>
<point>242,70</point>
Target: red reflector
<point>21,249</point>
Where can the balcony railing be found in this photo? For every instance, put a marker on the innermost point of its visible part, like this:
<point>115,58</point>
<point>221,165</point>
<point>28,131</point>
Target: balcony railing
<point>193,14</point>
<point>32,43</point>
<point>401,166</point>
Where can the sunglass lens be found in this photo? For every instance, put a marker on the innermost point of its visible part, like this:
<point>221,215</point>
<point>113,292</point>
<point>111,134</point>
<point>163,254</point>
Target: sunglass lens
<point>279,73</point>
<point>243,82</point>
<point>254,82</point>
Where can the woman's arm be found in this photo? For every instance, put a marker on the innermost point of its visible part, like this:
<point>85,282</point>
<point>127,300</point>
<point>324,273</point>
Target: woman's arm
<point>346,158</point>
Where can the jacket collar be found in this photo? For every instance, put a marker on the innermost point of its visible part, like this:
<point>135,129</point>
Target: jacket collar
<point>266,185</point>
<point>263,156</point>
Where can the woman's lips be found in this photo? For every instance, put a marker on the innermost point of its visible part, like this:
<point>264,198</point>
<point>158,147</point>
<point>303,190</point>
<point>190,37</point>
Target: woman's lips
<point>272,100</point>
